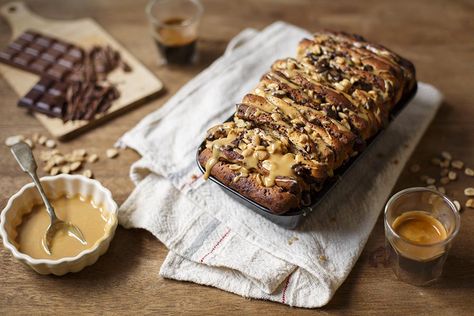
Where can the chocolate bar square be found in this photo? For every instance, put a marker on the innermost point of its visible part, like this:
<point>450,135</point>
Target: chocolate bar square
<point>34,49</point>
<point>23,59</point>
<point>68,61</point>
<point>58,72</point>
<point>48,102</point>
<point>44,41</point>
<point>18,44</point>
<point>30,98</point>
<point>40,65</point>
<point>51,55</point>
<point>8,54</point>
<point>76,52</point>
<point>60,47</point>
<point>29,36</point>
<point>58,89</point>
<point>44,84</point>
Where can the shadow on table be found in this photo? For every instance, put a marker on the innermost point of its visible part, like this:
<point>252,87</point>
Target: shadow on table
<point>342,297</point>
<point>117,263</point>
<point>458,273</point>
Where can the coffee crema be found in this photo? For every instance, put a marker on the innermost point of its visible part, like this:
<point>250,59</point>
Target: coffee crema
<point>421,234</point>
<point>419,227</point>
<point>91,219</point>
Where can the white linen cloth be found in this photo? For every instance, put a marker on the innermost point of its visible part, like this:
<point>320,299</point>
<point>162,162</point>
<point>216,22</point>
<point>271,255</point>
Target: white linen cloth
<point>216,241</point>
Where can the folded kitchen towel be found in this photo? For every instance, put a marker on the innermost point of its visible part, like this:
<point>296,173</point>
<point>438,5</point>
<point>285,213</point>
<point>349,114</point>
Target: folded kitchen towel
<point>214,240</point>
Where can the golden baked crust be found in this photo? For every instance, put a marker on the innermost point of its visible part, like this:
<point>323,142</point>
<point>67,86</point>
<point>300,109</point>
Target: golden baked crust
<point>307,116</point>
<point>279,198</point>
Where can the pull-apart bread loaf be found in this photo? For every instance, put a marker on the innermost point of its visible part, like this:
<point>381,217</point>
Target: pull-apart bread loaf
<point>307,116</point>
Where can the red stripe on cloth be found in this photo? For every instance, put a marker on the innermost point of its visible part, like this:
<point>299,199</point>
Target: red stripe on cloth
<point>216,245</point>
<point>283,296</point>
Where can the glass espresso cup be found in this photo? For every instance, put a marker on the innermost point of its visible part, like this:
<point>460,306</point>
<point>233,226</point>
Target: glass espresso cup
<point>174,27</point>
<point>420,225</point>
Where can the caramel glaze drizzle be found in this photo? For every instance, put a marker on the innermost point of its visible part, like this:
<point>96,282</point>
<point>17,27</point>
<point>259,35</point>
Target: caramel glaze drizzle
<point>356,82</point>
<point>272,158</point>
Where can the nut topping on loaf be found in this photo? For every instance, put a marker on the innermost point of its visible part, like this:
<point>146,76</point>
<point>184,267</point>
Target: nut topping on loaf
<point>307,116</point>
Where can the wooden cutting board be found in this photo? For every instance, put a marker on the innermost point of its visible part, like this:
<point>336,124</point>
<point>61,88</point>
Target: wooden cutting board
<point>135,86</point>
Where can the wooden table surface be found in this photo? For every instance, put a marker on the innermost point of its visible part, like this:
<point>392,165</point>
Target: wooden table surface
<point>436,35</point>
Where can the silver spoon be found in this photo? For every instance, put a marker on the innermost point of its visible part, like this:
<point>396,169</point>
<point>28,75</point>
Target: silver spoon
<point>23,155</point>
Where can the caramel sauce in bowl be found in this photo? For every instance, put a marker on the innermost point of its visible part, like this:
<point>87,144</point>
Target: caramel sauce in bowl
<point>76,198</point>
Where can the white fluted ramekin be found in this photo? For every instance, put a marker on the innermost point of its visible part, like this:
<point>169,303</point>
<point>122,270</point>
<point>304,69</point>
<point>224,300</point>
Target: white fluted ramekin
<point>55,187</point>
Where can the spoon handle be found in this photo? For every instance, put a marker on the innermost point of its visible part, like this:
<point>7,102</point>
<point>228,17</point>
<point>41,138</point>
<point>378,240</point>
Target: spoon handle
<point>24,156</point>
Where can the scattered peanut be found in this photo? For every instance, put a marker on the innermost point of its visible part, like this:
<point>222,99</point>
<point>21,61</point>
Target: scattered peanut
<point>457,204</point>
<point>65,169</point>
<point>49,165</point>
<point>247,152</point>
<point>442,190</point>
<point>58,160</point>
<point>30,143</point>
<point>430,181</point>
<point>79,153</point>
<point>12,140</point>
<point>446,155</point>
<point>35,137</point>
<point>469,191</point>
<point>470,203</point>
<point>87,173</point>
<point>54,171</point>
<point>75,165</point>
<point>54,162</point>
<point>262,155</point>
<point>452,175</point>
<point>444,164</point>
<point>50,143</point>
<point>74,157</point>
<point>457,164</point>
<point>42,140</point>
<point>45,155</point>
<point>444,172</point>
<point>444,180</point>
<point>469,172</point>
<point>423,178</point>
<point>93,158</point>
<point>111,153</point>
<point>234,167</point>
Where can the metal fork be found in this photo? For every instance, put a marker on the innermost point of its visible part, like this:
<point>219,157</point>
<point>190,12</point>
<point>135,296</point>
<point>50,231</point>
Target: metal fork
<point>23,155</point>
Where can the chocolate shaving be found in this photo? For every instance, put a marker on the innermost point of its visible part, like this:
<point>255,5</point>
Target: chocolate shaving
<point>86,100</point>
<point>90,93</point>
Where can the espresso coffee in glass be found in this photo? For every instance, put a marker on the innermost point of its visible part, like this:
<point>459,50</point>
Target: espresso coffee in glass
<point>420,225</point>
<point>174,26</point>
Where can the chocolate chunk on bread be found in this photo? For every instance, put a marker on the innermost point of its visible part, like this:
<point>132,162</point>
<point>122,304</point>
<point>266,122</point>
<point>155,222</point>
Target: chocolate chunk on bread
<point>306,118</point>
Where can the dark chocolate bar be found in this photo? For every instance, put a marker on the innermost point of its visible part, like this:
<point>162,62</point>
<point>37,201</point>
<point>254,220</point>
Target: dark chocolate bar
<point>42,55</point>
<point>73,82</point>
<point>47,96</point>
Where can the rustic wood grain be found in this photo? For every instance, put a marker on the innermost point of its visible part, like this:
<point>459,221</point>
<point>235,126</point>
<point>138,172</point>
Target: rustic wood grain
<point>436,35</point>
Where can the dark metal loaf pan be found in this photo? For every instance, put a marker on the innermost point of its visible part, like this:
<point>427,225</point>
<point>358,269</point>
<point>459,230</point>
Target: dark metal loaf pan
<point>293,218</point>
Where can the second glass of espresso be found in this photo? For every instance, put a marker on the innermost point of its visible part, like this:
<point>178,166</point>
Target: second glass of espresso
<point>420,225</point>
<point>175,29</point>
